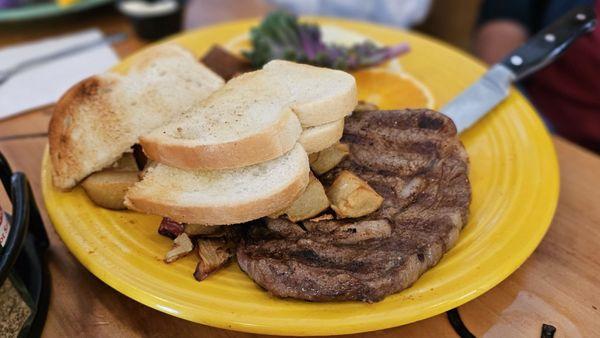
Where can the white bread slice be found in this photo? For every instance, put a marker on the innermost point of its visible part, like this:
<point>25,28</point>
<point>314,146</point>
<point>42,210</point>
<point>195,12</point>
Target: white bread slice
<point>251,119</point>
<point>100,118</point>
<point>216,197</point>
<point>319,95</point>
<point>315,139</point>
<point>245,122</point>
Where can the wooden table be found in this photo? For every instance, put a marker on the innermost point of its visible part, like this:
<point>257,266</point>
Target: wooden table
<point>559,284</point>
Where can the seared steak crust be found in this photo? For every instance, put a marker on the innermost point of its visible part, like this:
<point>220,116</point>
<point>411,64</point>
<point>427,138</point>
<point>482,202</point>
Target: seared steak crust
<point>413,158</point>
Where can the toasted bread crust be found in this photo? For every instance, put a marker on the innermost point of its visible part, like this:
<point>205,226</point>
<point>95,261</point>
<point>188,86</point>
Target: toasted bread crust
<point>222,214</point>
<point>330,106</point>
<point>315,139</point>
<point>270,143</point>
<point>95,121</point>
<point>145,59</point>
<point>67,167</point>
<point>327,110</point>
<point>335,97</point>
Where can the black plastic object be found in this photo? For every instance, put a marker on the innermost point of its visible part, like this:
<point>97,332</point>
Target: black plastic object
<point>20,221</point>
<point>23,256</point>
<point>155,25</point>
<point>548,331</point>
<point>458,325</point>
<point>550,42</point>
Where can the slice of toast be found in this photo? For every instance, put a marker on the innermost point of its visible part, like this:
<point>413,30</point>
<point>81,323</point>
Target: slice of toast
<point>216,197</point>
<point>245,122</point>
<point>254,118</point>
<point>315,139</point>
<point>100,118</point>
<point>319,95</point>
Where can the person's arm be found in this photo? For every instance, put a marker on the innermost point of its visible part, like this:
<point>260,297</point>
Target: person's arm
<point>495,39</point>
<point>503,26</point>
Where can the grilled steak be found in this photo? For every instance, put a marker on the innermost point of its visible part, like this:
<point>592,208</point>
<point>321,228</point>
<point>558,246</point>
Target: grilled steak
<point>413,158</point>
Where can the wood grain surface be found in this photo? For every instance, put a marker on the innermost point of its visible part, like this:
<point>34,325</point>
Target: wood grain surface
<point>559,284</point>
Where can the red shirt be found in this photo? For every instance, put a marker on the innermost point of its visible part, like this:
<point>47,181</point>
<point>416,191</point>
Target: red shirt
<point>567,92</point>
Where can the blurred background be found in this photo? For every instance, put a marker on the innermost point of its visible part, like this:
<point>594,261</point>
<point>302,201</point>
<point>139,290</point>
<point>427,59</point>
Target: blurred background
<point>566,93</point>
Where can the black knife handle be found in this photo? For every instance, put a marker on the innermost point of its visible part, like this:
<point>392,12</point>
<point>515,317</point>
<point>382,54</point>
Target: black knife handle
<point>548,44</point>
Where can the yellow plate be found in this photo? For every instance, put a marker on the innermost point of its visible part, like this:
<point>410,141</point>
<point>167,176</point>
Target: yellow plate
<point>514,174</point>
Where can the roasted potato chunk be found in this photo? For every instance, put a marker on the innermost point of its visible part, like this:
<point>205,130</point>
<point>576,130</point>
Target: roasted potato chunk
<point>214,254</point>
<point>310,203</point>
<point>350,196</point>
<point>363,106</point>
<point>201,229</point>
<point>107,188</point>
<point>125,163</point>
<point>182,245</point>
<point>327,159</point>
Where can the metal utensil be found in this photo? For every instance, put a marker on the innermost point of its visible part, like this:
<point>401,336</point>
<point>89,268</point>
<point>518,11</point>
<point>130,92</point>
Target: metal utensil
<point>543,48</point>
<point>7,73</point>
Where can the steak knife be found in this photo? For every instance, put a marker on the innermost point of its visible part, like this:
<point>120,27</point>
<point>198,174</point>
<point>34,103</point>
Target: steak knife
<point>543,48</point>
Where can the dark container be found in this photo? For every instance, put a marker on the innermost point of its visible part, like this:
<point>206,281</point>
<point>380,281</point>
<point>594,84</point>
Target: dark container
<point>24,275</point>
<point>153,20</point>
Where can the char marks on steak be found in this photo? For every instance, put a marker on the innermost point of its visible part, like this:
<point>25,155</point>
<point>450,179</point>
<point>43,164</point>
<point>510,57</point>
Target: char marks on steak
<point>413,158</point>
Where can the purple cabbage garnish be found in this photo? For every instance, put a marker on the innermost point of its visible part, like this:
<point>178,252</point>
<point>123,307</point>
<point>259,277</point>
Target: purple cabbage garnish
<point>10,3</point>
<point>281,36</point>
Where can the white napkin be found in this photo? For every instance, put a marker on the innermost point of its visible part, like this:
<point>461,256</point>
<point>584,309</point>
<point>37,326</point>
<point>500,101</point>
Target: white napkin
<point>45,83</point>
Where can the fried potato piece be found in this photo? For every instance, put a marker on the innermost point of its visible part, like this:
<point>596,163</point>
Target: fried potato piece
<point>327,159</point>
<point>352,197</point>
<point>214,254</point>
<point>125,163</point>
<point>311,203</point>
<point>201,229</point>
<point>363,106</point>
<point>182,245</point>
<point>107,188</point>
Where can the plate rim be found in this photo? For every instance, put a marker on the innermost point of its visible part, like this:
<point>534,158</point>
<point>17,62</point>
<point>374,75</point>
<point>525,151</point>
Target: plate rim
<point>152,300</point>
<point>46,10</point>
